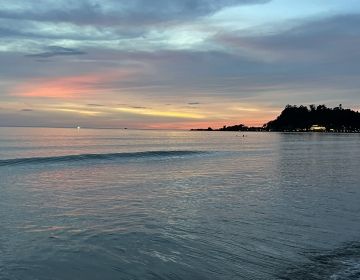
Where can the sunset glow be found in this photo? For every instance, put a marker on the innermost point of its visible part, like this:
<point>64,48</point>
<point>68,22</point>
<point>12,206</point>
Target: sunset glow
<point>158,113</point>
<point>66,87</point>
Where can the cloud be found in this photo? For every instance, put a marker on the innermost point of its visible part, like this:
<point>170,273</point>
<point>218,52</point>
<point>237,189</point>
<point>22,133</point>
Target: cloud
<point>318,55</point>
<point>112,12</point>
<point>333,38</point>
<point>74,25</point>
<point>68,86</point>
<point>139,107</point>
<point>57,51</point>
<point>95,105</point>
<point>160,113</point>
<point>27,110</point>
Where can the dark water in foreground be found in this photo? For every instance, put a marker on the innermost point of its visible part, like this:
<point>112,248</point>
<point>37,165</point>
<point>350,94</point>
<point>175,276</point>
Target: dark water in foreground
<point>114,204</point>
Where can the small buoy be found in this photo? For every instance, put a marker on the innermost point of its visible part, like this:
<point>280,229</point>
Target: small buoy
<point>78,128</point>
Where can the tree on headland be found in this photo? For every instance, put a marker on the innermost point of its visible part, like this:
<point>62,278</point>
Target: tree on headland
<point>239,127</point>
<point>302,118</point>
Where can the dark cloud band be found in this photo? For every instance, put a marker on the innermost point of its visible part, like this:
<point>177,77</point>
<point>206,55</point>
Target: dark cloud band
<point>57,51</point>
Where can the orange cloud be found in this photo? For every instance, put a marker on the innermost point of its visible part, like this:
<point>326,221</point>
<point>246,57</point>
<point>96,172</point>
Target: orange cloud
<point>68,86</point>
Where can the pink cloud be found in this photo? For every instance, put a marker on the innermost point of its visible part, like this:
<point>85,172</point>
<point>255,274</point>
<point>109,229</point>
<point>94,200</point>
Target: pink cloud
<point>69,86</point>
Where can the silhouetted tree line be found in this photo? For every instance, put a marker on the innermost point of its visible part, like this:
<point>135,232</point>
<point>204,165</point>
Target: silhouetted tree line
<point>239,127</point>
<point>302,118</point>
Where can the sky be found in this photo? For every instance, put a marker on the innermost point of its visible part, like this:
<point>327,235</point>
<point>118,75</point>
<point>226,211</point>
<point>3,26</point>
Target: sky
<point>174,64</point>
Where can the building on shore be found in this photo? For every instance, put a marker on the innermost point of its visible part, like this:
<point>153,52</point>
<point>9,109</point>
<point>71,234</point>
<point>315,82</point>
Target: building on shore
<point>317,128</point>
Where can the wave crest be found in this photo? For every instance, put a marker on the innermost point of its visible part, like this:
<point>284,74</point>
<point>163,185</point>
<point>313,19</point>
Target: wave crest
<point>87,157</point>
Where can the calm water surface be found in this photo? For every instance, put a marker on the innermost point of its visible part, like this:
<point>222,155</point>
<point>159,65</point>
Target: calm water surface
<point>124,204</point>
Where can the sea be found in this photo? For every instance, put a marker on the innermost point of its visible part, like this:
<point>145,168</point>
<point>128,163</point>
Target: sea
<point>86,204</point>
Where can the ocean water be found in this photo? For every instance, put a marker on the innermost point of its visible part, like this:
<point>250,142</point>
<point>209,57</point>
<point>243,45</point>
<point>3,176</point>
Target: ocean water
<point>132,204</point>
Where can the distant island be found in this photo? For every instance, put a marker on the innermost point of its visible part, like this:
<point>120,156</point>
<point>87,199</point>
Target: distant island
<point>305,118</point>
<point>239,127</point>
